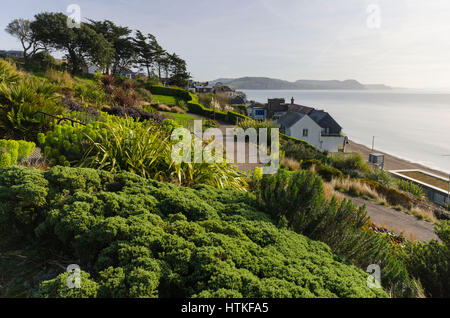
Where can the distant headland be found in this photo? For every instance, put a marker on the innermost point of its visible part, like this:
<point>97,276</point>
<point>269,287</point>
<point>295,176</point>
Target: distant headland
<point>272,83</point>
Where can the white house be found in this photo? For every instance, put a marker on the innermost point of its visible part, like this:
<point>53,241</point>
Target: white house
<point>317,128</point>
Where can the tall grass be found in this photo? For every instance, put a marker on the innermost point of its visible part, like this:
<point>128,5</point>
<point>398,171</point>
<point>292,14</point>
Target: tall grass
<point>290,164</point>
<point>8,72</point>
<point>58,77</point>
<point>356,188</point>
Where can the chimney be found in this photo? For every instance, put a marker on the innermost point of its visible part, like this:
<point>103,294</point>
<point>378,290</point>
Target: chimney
<point>292,101</point>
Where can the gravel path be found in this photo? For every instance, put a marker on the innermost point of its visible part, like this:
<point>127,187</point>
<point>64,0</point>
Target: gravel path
<point>398,222</point>
<point>252,153</point>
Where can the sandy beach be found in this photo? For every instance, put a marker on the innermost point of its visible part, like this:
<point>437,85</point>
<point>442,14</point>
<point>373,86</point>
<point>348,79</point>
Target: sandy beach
<point>390,162</point>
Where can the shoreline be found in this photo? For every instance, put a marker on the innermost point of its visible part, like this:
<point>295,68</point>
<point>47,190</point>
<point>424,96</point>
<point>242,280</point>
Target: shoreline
<point>391,162</point>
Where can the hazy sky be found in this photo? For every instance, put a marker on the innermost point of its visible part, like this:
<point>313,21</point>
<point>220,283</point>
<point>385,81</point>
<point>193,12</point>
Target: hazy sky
<point>287,39</point>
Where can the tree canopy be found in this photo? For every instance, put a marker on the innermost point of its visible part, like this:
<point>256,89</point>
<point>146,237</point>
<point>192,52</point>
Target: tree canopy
<point>81,45</point>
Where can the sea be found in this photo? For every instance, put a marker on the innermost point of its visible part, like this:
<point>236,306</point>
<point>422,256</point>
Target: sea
<point>409,124</point>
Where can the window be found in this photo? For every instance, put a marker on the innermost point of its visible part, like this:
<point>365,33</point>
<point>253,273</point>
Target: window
<point>305,132</point>
<point>259,112</point>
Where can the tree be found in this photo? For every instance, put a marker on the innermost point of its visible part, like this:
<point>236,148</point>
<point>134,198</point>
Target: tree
<point>81,45</point>
<point>165,61</point>
<point>121,41</point>
<point>179,75</point>
<point>159,57</point>
<point>145,50</point>
<point>20,28</point>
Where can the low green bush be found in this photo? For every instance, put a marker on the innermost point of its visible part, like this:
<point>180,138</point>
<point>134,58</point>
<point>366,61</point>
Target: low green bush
<point>411,187</point>
<point>297,199</point>
<point>326,172</point>
<point>13,151</point>
<point>430,262</point>
<point>379,175</point>
<point>210,124</point>
<point>349,162</point>
<point>301,150</point>
<point>134,237</point>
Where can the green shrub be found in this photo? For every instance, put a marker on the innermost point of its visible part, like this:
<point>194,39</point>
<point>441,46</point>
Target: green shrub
<point>430,263</point>
<point>92,93</point>
<point>57,287</point>
<point>297,199</point>
<point>349,162</point>
<point>380,175</point>
<point>411,187</point>
<point>300,150</point>
<point>326,172</point>
<point>134,237</point>
<point>18,106</point>
<point>12,151</point>
<point>210,124</point>
<point>143,148</point>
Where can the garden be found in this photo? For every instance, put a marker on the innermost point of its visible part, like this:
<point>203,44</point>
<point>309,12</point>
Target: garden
<point>107,196</point>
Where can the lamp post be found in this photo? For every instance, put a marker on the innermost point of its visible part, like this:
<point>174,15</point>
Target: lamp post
<point>373,143</point>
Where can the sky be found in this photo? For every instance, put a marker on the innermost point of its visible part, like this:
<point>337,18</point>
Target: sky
<point>401,43</point>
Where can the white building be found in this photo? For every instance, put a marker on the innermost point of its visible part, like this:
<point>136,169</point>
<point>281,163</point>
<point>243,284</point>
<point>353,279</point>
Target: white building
<point>317,128</point>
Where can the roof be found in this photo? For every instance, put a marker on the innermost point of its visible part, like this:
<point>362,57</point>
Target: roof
<point>324,120</point>
<point>290,119</point>
<point>300,108</point>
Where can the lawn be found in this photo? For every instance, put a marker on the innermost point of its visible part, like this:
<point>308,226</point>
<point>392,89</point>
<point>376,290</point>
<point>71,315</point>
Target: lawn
<point>163,99</point>
<point>187,120</point>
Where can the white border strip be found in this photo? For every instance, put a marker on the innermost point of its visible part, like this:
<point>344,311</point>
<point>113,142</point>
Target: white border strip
<point>399,173</point>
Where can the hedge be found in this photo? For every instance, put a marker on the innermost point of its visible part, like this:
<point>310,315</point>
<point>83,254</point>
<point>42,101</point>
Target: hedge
<point>241,108</point>
<point>201,110</point>
<point>170,91</point>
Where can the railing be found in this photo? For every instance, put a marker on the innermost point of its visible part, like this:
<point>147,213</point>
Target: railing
<point>60,119</point>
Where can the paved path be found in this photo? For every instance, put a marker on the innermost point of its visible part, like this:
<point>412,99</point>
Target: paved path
<point>252,153</point>
<point>398,222</point>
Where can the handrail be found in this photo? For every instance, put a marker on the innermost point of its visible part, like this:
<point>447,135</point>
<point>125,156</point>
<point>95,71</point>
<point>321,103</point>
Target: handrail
<point>60,119</point>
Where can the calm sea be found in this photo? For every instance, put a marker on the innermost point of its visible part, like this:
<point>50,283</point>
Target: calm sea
<point>413,125</point>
